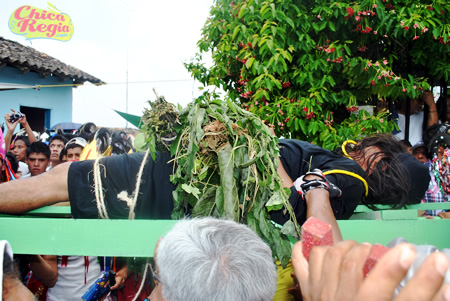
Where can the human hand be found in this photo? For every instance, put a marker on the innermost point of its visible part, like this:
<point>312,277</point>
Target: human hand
<point>335,273</point>
<point>23,120</point>
<point>428,98</point>
<point>121,277</point>
<point>10,125</point>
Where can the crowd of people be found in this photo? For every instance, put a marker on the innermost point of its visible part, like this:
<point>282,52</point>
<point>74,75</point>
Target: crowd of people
<point>25,155</point>
<point>222,260</point>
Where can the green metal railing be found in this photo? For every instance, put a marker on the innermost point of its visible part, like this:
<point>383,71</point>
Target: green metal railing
<point>50,231</point>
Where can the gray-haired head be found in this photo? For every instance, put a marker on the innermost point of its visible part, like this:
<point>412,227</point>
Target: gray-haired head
<point>213,259</point>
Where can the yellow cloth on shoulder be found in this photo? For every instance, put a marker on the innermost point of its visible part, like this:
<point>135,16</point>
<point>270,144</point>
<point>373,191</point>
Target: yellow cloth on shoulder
<point>284,282</point>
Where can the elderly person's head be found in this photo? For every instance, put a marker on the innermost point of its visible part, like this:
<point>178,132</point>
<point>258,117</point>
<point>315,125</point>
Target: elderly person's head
<point>213,259</point>
<point>12,288</point>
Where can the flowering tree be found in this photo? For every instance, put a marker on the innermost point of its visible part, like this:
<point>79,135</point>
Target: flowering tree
<point>303,66</point>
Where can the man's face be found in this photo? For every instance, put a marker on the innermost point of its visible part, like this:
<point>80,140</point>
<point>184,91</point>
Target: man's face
<point>416,105</point>
<point>73,154</point>
<point>37,163</point>
<point>419,153</point>
<point>55,148</point>
<point>20,150</point>
<point>370,157</point>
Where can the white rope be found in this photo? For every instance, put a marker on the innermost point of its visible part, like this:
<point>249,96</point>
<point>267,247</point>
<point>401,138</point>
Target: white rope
<point>98,188</point>
<point>147,266</point>
<point>135,195</point>
<point>130,201</point>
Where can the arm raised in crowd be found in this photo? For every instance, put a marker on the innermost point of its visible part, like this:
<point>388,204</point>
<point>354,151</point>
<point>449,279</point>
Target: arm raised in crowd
<point>9,133</point>
<point>12,127</point>
<point>46,189</point>
<point>432,109</point>
<point>23,121</point>
<point>45,268</point>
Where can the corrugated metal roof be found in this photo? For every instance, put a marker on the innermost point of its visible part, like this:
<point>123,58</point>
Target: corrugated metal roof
<point>27,58</point>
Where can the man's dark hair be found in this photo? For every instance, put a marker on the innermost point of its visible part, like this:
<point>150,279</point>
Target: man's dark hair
<point>39,148</point>
<point>24,139</point>
<point>58,137</point>
<point>12,161</point>
<point>72,145</point>
<point>62,154</point>
<point>388,179</point>
<point>406,143</point>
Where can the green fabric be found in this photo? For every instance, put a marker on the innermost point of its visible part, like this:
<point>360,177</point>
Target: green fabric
<point>133,119</point>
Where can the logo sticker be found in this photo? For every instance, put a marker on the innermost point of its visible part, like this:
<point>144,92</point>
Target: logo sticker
<point>35,23</point>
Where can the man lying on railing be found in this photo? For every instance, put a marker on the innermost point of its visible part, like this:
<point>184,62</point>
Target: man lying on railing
<point>376,170</point>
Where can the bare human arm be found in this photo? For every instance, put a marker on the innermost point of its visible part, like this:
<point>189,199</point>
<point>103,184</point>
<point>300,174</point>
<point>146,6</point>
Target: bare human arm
<point>317,202</point>
<point>432,112</point>
<point>9,133</point>
<point>23,121</point>
<point>45,268</point>
<point>46,189</point>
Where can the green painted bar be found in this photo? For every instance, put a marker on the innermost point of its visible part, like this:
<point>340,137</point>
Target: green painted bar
<point>137,238</point>
<point>49,211</point>
<point>410,214</point>
<point>65,210</point>
<point>89,237</point>
<point>421,231</point>
<point>423,206</point>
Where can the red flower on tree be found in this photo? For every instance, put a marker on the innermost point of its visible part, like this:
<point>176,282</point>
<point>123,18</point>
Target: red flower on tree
<point>350,11</point>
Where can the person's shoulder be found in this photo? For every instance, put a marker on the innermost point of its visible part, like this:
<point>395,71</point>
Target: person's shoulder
<point>296,143</point>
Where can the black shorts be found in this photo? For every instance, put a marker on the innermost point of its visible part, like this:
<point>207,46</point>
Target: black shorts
<point>119,173</point>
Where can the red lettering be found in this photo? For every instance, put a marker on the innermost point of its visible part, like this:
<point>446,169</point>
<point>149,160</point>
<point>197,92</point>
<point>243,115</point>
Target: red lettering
<point>41,27</point>
<point>34,14</point>
<point>28,21</point>
<point>18,12</point>
<point>23,24</point>
<point>52,30</point>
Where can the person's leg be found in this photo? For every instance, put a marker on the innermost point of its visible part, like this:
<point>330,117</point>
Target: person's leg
<point>23,195</point>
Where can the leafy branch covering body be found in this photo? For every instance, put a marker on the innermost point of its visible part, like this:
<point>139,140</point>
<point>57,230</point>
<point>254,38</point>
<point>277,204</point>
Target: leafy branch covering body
<point>225,166</point>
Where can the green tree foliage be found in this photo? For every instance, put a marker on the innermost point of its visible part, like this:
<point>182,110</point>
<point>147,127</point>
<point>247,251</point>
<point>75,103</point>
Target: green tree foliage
<point>303,66</point>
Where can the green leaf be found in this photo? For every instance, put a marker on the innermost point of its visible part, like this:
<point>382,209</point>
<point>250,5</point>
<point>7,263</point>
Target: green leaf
<point>289,229</point>
<point>235,32</point>
<point>275,202</point>
<point>436,32</point>
<point>322,25</point>
<point>316,27</point>
<point>139,142</point>
<point>249,62</point>
<point>331,26</point>
<point>191,190</point>
<point>242,11</point>
<point>227,181</point>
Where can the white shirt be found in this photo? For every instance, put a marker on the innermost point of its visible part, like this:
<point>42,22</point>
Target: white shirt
<point>415,127</point>
<point>70,285</point>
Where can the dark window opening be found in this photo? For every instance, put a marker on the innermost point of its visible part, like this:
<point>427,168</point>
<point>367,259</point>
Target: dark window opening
<point>38,119</point>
